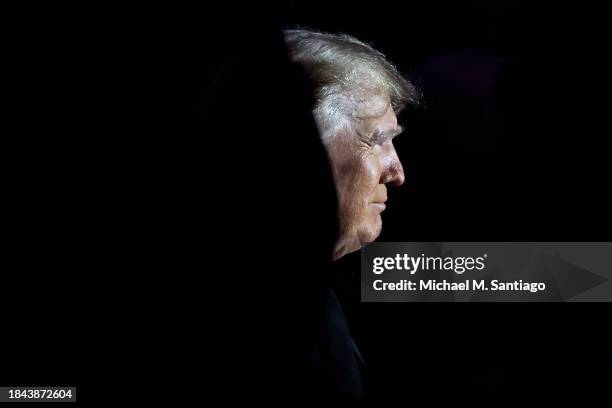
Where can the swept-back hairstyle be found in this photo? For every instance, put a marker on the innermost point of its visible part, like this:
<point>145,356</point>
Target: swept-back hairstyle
<point>344,74</point>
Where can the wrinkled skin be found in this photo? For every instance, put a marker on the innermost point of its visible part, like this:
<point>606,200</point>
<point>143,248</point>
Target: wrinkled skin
<point>363,161</point>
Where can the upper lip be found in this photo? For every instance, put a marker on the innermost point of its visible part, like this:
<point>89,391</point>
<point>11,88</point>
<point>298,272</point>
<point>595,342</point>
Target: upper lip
<point>380,196</point>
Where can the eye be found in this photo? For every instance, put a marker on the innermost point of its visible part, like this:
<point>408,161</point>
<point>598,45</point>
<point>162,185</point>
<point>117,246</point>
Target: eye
<point>377,138</point>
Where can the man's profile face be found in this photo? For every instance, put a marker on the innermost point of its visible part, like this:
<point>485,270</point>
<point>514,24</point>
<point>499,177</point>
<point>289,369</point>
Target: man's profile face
<point>363,161</point>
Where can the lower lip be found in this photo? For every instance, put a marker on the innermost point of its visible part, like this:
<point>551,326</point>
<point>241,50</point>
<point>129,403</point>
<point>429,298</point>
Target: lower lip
<point>380,206</point>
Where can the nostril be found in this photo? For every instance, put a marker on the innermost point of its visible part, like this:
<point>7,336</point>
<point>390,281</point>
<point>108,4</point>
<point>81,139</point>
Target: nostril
<point>400,176</point>
<point>399,180</point>
<point>397,176</point>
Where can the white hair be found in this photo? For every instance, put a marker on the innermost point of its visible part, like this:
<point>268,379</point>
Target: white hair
<point>347,76</point>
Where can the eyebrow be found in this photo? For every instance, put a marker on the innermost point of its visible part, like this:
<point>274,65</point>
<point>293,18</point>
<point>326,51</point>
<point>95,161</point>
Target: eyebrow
<point>387,134</point>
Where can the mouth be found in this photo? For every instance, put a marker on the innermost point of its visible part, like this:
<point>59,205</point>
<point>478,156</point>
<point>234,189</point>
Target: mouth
<point>379,206</point>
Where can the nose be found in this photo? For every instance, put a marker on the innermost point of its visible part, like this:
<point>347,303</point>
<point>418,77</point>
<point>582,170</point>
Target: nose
<point>393,172</point>
<point>397,174</point>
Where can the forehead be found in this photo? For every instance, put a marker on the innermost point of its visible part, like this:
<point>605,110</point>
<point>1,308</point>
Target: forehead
<point>379,115</point>
<point>372,106</point>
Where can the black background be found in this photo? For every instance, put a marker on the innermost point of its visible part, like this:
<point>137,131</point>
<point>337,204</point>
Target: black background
<point>510,145</point>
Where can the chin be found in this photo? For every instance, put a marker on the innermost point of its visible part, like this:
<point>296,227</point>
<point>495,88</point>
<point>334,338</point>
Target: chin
<point>371,230</point>
<point>366,233</point>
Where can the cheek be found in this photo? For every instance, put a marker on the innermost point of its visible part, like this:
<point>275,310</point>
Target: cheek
<point>360,179</point>
<point>372,171</point>
<point>357,175</point>
<point>369,174</point>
